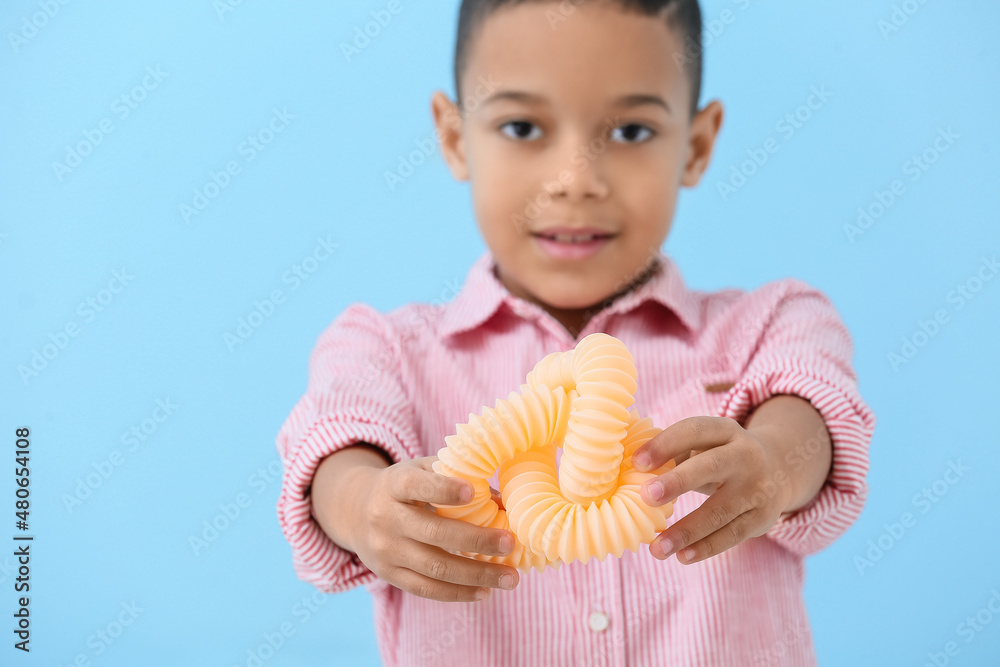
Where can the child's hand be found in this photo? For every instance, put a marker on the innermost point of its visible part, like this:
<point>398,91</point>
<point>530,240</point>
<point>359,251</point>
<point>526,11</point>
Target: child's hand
<point>748,488</point>
<point>406,543</point>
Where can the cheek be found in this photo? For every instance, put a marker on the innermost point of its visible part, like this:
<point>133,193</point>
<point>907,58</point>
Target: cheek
<point>649,205</point>
<point>650,189</point>
<point>502,199</point>
<point>490,198</point>
<point>493,210</point>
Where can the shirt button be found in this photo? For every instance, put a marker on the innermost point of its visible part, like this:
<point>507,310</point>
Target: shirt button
<point>598,621</point>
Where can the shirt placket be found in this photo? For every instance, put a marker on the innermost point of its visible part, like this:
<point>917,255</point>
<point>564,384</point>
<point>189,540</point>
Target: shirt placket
<point>602,618</point>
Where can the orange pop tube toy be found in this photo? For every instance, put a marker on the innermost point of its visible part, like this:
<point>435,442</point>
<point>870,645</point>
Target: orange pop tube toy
<point>590,506</point>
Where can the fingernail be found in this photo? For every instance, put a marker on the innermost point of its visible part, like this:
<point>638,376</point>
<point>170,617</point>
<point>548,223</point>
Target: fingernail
<point>642,461</point>
<point>655,490</point>
<point>666,547</point>
<point>483,593</point>
<point>466,494</point>
<point>506,544</point>
<point>688,555</point>
<point>507,582</point>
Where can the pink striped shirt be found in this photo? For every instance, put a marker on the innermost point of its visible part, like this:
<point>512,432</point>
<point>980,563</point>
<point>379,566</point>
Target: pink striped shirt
<point>403,380</point>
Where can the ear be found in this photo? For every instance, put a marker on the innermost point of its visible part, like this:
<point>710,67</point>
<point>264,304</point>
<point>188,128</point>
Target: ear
<point>704,130</point>
<point>448,122</point>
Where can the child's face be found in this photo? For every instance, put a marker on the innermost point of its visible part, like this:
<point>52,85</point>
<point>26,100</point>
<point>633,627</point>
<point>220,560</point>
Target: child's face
<point>574,156</point>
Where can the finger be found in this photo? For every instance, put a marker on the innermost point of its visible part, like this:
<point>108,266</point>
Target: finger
<point>680,438</point>
<point>425,587</point>
<point>719,511</point>
<point>440,565</point>
<point>705,469</point>
<point>744,526</point>
<point>458,535</point>
<point>497,498</point>
<point>420,484</point>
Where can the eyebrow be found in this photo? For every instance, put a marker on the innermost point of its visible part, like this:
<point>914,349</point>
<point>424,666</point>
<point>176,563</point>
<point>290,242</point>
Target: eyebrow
<point>633,100</point>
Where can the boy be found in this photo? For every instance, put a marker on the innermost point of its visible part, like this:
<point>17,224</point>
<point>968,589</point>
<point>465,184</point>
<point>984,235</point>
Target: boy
<point>575,161</point>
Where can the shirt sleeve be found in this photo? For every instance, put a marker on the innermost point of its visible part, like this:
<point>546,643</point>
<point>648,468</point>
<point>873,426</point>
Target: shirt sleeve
<point>355,393</point>
<point>805,350</point>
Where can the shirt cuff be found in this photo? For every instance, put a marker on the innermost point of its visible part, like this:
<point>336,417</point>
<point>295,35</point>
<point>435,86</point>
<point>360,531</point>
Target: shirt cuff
<point>850,423</point>
<point>316,558</point>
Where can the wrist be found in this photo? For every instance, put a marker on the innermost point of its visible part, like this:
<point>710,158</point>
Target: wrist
<point>794,433</point>
<point>794,485</point>
<point>352,499</point>
<point>339,490</point>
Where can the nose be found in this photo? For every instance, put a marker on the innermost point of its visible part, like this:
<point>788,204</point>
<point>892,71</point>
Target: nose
<point>580,169</point>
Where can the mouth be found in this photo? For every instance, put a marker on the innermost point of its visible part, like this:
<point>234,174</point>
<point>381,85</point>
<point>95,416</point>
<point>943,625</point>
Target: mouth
<point>573,238</point>
<point>572,245</point>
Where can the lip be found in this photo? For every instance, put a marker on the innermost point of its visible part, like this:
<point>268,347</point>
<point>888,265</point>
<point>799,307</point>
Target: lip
<point>572,251</point>
<point>596,231</point>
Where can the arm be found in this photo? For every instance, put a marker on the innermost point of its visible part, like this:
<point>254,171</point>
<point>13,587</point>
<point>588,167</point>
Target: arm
<point>336,484</point>
<point>355,395</point>
<point>771,466</point>
<point>354,496</point>
<point>795,432</point>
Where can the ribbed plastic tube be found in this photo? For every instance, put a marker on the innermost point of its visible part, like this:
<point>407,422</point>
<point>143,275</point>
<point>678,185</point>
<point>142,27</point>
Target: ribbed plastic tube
<point>590,506</point>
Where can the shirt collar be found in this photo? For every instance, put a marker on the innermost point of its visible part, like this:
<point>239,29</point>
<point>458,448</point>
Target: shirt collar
<point>483,294</point>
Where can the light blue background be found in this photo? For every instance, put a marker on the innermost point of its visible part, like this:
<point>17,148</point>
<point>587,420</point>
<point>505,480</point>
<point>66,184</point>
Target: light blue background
<point>162,337</point>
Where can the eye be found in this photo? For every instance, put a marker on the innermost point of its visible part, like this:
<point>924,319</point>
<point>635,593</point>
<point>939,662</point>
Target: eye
<point>520,126</point>
<point>632,127</point>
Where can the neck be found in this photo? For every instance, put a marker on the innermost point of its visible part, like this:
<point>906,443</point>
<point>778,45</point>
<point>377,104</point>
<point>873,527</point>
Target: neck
<point>574,320</point>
